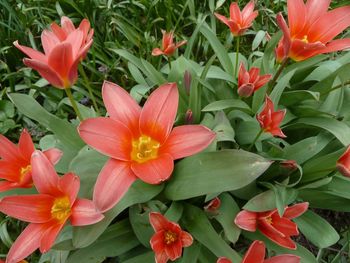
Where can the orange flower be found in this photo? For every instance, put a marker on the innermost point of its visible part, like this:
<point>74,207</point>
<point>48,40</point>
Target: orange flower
<point>256,254</point>
<point>343,164</point>
<point>169,239</point>
<point>239,22</point>
<point>312,29</point>
<point>270,120</point>
<point>15,167</point>
<point>277,229</point>
<point>64,47</point>
<point>168,45</point>
<point>213,205</point>
<point>249,82</point>
<point>48,211</point>
<point>140,142</point>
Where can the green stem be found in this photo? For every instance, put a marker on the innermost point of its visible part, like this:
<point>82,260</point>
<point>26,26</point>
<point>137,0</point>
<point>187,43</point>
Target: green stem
<point>335,88</point>
<point>319,255</point>
<point>237,55</point>
<point>169,61</point>
<point>87,83</point>
<point>255,139</point>
<point>74,104</point>
<point>278,73</point>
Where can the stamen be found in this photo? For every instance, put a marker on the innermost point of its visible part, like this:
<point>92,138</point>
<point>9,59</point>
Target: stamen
<point>144,149</point>
<point>61,209</point>
<point>170,237</point>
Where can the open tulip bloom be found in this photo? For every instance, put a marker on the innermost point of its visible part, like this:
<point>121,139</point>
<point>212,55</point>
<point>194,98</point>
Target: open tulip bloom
<point>140,142</point>
<point>256,254</point>
<point>312,29</point>
<point>15,166</point>
<point>48,211</point>
<point>239,22</point>
<point>64,47</point>
<point>168,46</point>
<point>278,229</point>
<point>169,239</point>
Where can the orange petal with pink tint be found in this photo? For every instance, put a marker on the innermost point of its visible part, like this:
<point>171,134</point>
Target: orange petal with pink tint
<point>25,145</point>
<point>255,253</point>
<point>84,212</point>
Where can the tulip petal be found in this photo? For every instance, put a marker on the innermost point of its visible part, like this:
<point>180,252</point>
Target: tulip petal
<point>61,59</point>
<point>286,40</point>
<point>159,112</point>
<point>181,43</point>
<point>223,260</point>
<point>296,16</point>
<point>157,241</point>
<point>337,45</point>
<point>315,9</point>
<point>158,221</point>
<point>255,253</point>
<point>49,40</point>
<point>58,31</point>
<point>53,154</point>
<point>167,39</point>
<point>157,52</point>
<point>76,40</point>
<point>44,175</point>
<point>174,251</point>
<point>223,19</point>
<point>84,213</point>
<point>154,171</point>
<point>28,208</point>
<point>285,226</point>
<point>161,257</point>
<point>5,186</point>
<point>272,234</point>
<point>32,53</point>
<point>262,81</point>
<point>45,71</point>
<point>67,24</point>
<point>8,150</point>
<point>10,171</point>
<point>26,145</point>
<point>296,210</point>
<point>187,140</point>
<point>85,28</point>
<point>69,184</point>
<point>235,13</point>
<point>246,220</point>
<point>49,236</point>
<point>112,183</point>
<point>110,137</point>
<point>186,239</point>
<point>286,258</point>
<point>26,243</point>
<point>121,106</point>
<point>247,11</point>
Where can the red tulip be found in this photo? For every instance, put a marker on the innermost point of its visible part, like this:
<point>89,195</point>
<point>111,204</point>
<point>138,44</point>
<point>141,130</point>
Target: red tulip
<point>312,29</point>
<point>239,22</point>
<point>64,47</point>
<point>213,205</point>
<point>270,120</point>
<point>48,211</point>
<point>15,167</point>
<point>169,239</point>
<point>168,45</point>
<point>249,82</point>
<point>256,254</point>
<point>277,229</point>
<point>343,164</point>
<point>140,142</point>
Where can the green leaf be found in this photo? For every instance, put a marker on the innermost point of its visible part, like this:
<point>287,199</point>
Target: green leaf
<point>227,104</point>
<point>139,221</point>
<point>258,39</point>
<point>154,75</point>
<point>281,85</point>
<point>144,258</point>
<point>289,98</point>
<point>200,228</point>
<point>317,230</point>
<point>191,253</point>
<point>208,172</point>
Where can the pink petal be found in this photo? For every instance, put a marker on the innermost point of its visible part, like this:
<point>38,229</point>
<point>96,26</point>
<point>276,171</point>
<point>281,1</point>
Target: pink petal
<point>285,226</point>
<point>161,257</point>
<point>248,10</point>
<point>26,145</point>
<point>253,74</point>
<point>167,39</point>
<point>286,40</point>
<point>275,236</point>
<point>255,253</point>
<point>112,183</point>
<point>223,19</point>
<point>53,154</point>
<point>246,220</point>
<point>44,175</point>
<point>186,239</point>
<point>262,81</point>
<point>179,44</point>
<point>315,9</point>
<point>49,41</point>
<point>49,236</point>
<point>28,208</point>
<point>174,251</point>
<point>157,52</point>
<point>67,25</point>
<point>296,210</point>
<point>286,258</point>
<point>241,74</point>
<point>26,243</point>
<point>85,28</point>
<point>32,53</point>
<point>296,16</point>
<point>8,150</point>
<point>157,242</point>
<point>110,137</point>
<point>5,186</point>
<point>154,171</point>
<point>10,171</point>
<point>121,106</point>
<point>158,221</point>
<point>69,184</point>
<point>235,13</point>
<point>337,45</point>
<point>45,71</point>
<point>76,40</point>
<point>159,112</point>
<point>58,31</point>
<point>84,213</point>
<point>187,140</point>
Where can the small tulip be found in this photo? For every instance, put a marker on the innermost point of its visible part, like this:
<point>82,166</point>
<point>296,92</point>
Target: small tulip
<point>250,81</point>
<point>169,239</point>
<point>239,22</point>
<point>168,45</point>
<point>270,120</point>
<point>213,205</point>
<point>343,163</point>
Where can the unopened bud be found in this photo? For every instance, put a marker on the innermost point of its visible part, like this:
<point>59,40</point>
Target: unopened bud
<point>213,205</point>
<point>189,117</point>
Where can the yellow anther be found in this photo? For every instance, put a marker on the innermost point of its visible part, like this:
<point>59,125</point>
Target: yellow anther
<point>169,237</point>
<point>24,171</point>
<point>61,209</point>
<point>144,149</point>
<point>305,39</point>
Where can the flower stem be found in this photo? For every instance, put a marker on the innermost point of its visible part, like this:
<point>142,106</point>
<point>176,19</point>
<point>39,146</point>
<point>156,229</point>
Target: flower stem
<point>237,55</point>
<point>278,73</point>
<point>74,104</point>
<point>87,83</point>
<point>335,88</point>
<point>255,139</point>
<point>169,61</point>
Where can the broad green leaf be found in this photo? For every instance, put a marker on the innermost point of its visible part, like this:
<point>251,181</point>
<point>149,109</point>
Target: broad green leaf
<point>200,228</point>
<point>144,258</point>
<point>289,98</point>
<point>174,212</point>
<point>227,104</point>
<point>258,39</point>
<point>209,173</point>
<point>339,186</point>
<point>154,75</point>
<point>317,230</point>
<point>139,221</point>
<point>281,85</point>
<point>191,253</point>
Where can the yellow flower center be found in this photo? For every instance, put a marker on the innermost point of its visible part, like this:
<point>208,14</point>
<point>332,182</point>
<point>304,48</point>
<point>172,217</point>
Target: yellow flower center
<point>61,209</point>
<point>269,220</point>
<point>305,39</point>
<point>24,171</point>
<point>169,237</point>
<point>144,149</point>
